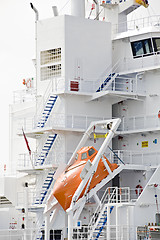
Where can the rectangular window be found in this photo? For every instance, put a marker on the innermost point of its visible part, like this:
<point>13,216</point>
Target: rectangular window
<point>156,44</point>
<point>50,72</point>
<point>142,48</point>
<point>51,56</point>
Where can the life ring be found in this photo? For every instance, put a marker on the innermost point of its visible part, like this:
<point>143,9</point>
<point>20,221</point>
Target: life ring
<point>139,189</point>
<point>28,83</point>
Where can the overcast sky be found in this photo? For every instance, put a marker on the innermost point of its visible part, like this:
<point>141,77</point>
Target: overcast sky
<point>17,48</point>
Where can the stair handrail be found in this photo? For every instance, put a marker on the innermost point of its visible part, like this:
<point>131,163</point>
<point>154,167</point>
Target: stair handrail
<point>54,152</point>
<point>40,149</point>
<point>40,190</point>
<point>98,212</point>
<point>44,99</point>
<point>39,223</point>
<point>102,203</point>
<point>108,71</point>
<point>46,95</point>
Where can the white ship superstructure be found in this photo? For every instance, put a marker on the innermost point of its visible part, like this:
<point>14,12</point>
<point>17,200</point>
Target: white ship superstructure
<point>90,72</point>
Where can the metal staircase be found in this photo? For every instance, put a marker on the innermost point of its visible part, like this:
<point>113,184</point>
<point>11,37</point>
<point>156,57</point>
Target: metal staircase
<point>4,201</point>
<point>45,188</point>
<point>45,150</point>
<point>107,82</point>
<point>47,110</point>
<point>99,219</point>
<point>39,235</point>
<point>101,222</point>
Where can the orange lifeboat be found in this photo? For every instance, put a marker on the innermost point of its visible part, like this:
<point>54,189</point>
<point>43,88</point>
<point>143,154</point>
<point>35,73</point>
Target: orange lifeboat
<point>68,182</point>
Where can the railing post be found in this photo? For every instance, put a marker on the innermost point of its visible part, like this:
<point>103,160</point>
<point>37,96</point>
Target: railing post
<point>119,154</point>
<point>108,222</point>
<point>72,121</point>
<point>114,84</point>
<point>70,225</point>
<point>86,121</point>
<point>120,195</point>
<point>133,123</point>
<point>142,159</point>
<point>123,124</point>
<point>117,222</point>
<point>131,157</point>
<point>129,197</point>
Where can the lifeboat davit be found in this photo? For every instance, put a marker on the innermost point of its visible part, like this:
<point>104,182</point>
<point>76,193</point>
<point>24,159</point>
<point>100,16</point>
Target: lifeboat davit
<point>68,182</point>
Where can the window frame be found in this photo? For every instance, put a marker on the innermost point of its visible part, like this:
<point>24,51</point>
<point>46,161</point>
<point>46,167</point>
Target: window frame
<point>155,44</point>
<point>90,150</point>
<point>145,53</point>
<point>83,154</point>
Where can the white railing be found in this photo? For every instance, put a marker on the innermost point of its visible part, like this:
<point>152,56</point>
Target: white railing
<point>135,157</point>
<point>33,197</point>
<point>129,85</point>
<point>116,195</point>
<point>116,232</point>
<point>111,195</point>
<point>82,122</point>
<point>17,234</point>
<point>144,61</point>
<point>55,85</point>
<point>60,120</point>
<point>124,232</point>
<point>136,24</point>
<point>139,122</point>
<point>109,71</point>
<point>90,85</point>
<point>26,124</point>
<point>28,234</point>
<point>23,96</point>
<point>54,158</point>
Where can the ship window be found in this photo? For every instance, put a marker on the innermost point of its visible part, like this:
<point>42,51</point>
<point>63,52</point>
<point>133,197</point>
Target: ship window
<point>83,156</point>
<point>50,72</point>
<point>50,56</point>
<point>142,48</point>
<point>76,156</point>
<point>156,44</point>
<point>91,151</point>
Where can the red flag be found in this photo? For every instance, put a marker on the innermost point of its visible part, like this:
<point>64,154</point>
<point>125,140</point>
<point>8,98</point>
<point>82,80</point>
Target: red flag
<point>26,142</point>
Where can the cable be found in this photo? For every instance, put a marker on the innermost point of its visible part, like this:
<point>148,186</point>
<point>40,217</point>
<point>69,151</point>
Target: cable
<point>98,14</point>
<point>116,155</point>
<point>90,13</point>
<point>64,6</point>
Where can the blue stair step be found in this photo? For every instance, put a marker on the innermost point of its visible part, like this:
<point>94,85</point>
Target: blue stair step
<point>46,185</point>
<point>45,150</point>
<point>47,110</point>
<point>105,82</point>
<point>100,225</point>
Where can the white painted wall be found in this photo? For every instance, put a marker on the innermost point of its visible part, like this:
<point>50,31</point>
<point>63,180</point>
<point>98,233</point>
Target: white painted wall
<point>80,106</point>
<point>18,115</point>
<point>50,35</point>
<point>87,45</point>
